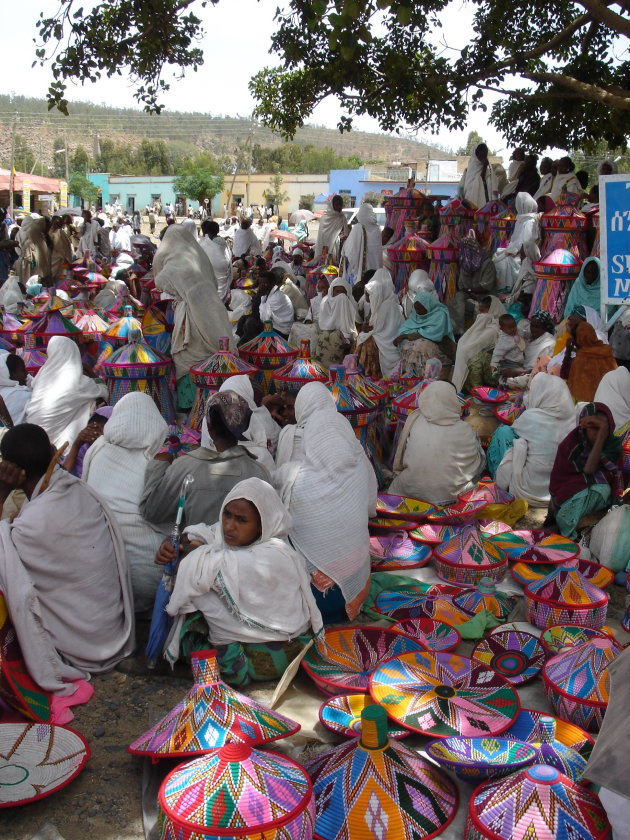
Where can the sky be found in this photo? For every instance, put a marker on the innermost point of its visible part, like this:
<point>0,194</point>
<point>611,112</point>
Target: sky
<point>236,45</point>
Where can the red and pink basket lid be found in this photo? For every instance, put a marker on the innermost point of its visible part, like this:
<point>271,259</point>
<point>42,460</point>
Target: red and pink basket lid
<point>487,491</point>
<point>268,350</point>
<point>300,370</point>
<point>565,586</point>
<point>220,366</point>
<point>471,549</point>
<point>559,263</point>
<point>582,671</point>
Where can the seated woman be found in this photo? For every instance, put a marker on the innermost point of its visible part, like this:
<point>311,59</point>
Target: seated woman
<point>375,345</point>
<point>520,456</point>
<point>337,324</point>
<point>592,360</point>
<point>16,388</point>
<point>477,342</point>
<point>614,391</point>
<point>73,462</point>
<point>565,334</point>
<point>261,436</point>
<point>525,236</point>
<point>541,343</point>
<point>418,282</point>
<point>242,587</point>
<point>329,487</point>
<point>115,466</point>
<point>585,476</point>
<point>586,289</point>
<point>268,304</point>
<point>438,455</point>
<point>426,334</point>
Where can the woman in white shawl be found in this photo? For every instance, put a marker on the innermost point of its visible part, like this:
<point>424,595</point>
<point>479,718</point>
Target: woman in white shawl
<point>15,388</point>
<point>11,297</point>
<point>263,431</point>
<point>183,271</point>
<point>327,483</point>
<point>479,338</point>
<point>34,250</point>
<point>509,261</point>
<point>363,250</point>
<point>548,418</point>
<point>565,180</point>
<point>614,392</point>
<point>337,324</point>
<point>63,398</point>
<point>418,282</point>
<point>249,585</point>
<point>115,466</point>
<point>375,345</point>
<point>332,228</point>
<point>438,455</point>
<point>482,180</point>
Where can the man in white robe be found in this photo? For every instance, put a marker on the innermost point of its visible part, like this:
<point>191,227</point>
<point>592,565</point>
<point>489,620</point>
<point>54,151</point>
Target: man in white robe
<point>333,229</point>
<point>482,181</point>
<point>219,254</point>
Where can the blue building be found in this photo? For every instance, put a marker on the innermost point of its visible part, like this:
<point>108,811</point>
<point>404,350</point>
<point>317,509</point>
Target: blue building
<point>443,180</point>
<point>135,192</point>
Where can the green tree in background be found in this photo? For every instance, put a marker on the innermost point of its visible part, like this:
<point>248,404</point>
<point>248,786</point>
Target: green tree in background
<point>274,193</point>
<point>80,160</point>
<point>83,188</point>
<point>199,180</point>
<point>473,140</point>
<point>591,159</point>
<point>23,160</point>
<point>59,158</point>
<point>373,198</point>
<point>307,202</point>
<point>153,157</point>
<point>300,159</point>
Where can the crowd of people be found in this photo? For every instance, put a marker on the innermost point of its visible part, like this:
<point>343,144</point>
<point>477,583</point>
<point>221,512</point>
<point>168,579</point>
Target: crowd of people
<point>276,539</point>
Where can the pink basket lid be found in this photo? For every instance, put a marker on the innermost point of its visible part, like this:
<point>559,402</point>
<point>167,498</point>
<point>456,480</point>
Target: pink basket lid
<point>220,366</point>
<point>582,671</point>
<point>565,586</point>
<point>302,369</point>
<point>563,217</point>
<point>471,549</point>
<point>559,262</point>
<point>268,349</point>
<point>487,491</point>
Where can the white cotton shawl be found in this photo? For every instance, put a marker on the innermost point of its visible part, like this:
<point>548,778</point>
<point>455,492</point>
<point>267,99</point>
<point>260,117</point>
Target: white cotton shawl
<point>541,346</point>
<point>330,491</point>
<point>11,294</point>
<point>438,455</point>
<point>508,263</point>
<point>385,317</point>
<point>255,593</point>
<point>115,466</point>
<point>339,312</point>
<point>331,226</point>
<point>482,335</point>
<point>242,386</point>
<point>472,183</point>
<point>218,252</point>
<point>419,281</point>
<point>245,240</point>
<point>63,397</point>
<point>546,182</point>
<point>277,308</point>
<point>567,180</point>
<point>614,391</point>
<point>16,397</point>
<point>183,271</point>
<point>298,301</point>
<point>548,418</point>
<point>362,250</point>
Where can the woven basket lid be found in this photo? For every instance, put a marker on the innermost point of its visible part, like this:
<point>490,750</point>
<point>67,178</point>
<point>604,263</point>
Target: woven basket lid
<point>375,788</point>
<point>560,637</point>
<point>485,597</point>
<point>432,635</point>
<point>516,655</point>
<point>238,791</point>
<point>34,358</point>
<point>565,586</point>
<point>301,370</point>
<point>210,715</point>
<point>374,391</point>
<point>397,551</point>
<point>220,366</point>
<point>503,219</point>
<point>598,575</point>
<point>407,402</point>
<point>582,671</point>
<point>402,507</point>
<point>37,759</point>
<point>52,323</point>
<point>122,327</point>
<point>536,546</point>
<point>268,350</point>
<point>342,714</point>
<point>560,262</point>
<point>539,803</point>
<point>487,491</point>
<point>119,306</point>
<point>442,694</point>
<point>349,401</point>
<point>493,208</point>
<point>135,353</point>
<point>470,549</point>
<point>563,217</point>
<point>90,323</point>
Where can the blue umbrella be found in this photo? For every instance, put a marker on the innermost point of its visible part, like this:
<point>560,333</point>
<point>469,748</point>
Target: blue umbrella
<point>160,620</point>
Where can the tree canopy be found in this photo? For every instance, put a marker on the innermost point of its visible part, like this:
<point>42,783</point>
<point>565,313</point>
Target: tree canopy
<point>560,67</point>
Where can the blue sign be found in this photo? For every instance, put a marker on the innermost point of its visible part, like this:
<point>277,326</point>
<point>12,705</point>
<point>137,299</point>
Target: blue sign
<point>614,230</point>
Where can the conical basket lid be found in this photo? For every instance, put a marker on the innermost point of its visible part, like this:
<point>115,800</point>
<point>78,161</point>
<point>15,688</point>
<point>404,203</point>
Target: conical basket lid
<point>237,791</point>
<point>210,715</point>
<point>470,548</point>
<point>566,585</point>
<point>582,671</point>
<point>485,597</point>
<point>559,262</point>
<point>135,353</point>
<point>302,369</point>
<point>122,327</point>
<point>487,491</point>
<point>268,349</point>
<point>539,802</point>
<point>222,364</point>
<point>53,323</point>
<point>364,792</point>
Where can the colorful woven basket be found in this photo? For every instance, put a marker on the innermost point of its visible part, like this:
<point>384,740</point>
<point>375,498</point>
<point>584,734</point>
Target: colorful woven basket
<point>37,759</point>
<point>432,635</point>
<point>577,683</point>
<point>38,333</point>
<point>342,715</point>
<point>479,758</point>
<point>299,371</point>
<point>33,359</point>
<point>562,636</point>
<point>493,396</point>
<point>534,546</point>
<point>399,601</point>
<point>557,742</point>
<point>397,551</point>
<point>386,525</point>
<point>237,792</point>
<point>487,491</point>
<point>433,534</point>
<point>90,324</point>
<point>374,391</point>
<point>402,507</point>
<point>442,694</point>
<point>210,715</point>
<point>267,352</point>
<point>591,571</point>
<point>491,527</point>
<point>458,513</point>
<point>538,803</point>
<point>515,655</point>
<point>118,333</point>
<point>374,788</point>
<point>486,597</point>
<point>342,661</point>
<point>358,409</point>
<point>468,557</point>
<point>565,597</point>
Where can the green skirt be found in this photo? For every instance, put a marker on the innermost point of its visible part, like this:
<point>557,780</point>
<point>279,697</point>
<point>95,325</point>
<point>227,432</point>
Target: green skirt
<point>586,501</point>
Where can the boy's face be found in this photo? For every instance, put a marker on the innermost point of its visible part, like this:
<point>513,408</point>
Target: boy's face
<point>509,328</point>
<point>484,308</point>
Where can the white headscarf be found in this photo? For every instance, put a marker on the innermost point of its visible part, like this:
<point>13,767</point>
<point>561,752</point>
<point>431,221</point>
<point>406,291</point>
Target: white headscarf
<point>419,281</point>
<point>385,317</point>
<point>191,226</point>
<point>331,225</point>
<point>614,391</point>
<point>472,182</point>
<point>549,416</point>
<point>339,312</point>
<point>362,250</point>
<point>482,335</point>
<point>247,593</point>
<point>135,423</point>
<point>510,267</point>
<point>63,397</point>
<point>16,397</point>
<point>11,294</point>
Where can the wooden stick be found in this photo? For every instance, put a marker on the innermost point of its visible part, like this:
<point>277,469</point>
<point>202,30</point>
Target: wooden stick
<point>53,463</point>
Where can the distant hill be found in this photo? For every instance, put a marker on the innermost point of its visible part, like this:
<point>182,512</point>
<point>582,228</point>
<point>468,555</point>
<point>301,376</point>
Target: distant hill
<point>190,132</point>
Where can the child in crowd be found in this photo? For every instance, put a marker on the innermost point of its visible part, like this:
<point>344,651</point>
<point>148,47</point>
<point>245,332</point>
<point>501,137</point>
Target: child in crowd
<point>509,351</point>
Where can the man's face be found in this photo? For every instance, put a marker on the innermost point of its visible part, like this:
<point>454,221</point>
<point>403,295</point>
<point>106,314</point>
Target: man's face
<point>337,204</point>
<point>265,285</point>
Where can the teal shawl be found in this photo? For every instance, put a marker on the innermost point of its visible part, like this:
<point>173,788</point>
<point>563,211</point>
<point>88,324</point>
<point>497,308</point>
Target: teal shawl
<point>434,325</point>
<point>581,293</point>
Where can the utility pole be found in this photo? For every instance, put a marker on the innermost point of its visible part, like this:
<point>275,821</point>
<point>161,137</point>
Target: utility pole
<point>11,176</point>
<point>65,144</point>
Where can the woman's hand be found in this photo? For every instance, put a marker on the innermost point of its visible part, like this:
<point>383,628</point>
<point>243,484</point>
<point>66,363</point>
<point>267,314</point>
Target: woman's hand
<point>166,552</point>
<point>600,424</point>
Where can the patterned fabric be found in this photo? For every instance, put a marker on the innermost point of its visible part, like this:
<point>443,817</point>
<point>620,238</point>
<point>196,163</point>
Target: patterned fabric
<point>443,694</point>
<point>211,715</point>
<point>481,758</point>
<point>516,655</point>
<point>379,794</point>
<point>241,790</point>
<point>538,803</point>
<point>404,507</point>
<point>344,658</point>
<point>36,759</point>
<point>233,410</point>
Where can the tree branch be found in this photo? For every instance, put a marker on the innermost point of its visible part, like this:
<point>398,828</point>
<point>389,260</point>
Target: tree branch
<point>592,93</point>
<point>602,13</point>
